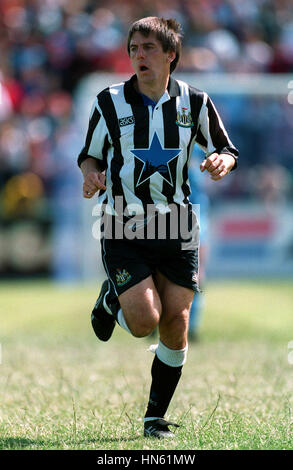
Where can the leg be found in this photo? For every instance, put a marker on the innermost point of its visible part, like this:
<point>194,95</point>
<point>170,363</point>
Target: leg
<point>176,302</point>
<point>129,295</point>
<point>141,307</point>
<point>170,354</point>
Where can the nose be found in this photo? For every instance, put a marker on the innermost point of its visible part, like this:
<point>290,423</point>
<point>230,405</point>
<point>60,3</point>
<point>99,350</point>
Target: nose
<point>140,52</point>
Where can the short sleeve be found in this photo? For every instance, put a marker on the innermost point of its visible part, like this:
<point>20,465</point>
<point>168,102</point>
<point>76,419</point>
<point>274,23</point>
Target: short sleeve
<point>97,141</point>
<point>212,135</point>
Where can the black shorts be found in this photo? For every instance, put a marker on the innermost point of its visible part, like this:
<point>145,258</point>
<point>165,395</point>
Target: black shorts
<point>127,262</point>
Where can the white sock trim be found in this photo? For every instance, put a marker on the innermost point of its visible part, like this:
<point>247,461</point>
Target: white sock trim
<point>153,348</point>
<point>122,321</point>
<point>171,357</point>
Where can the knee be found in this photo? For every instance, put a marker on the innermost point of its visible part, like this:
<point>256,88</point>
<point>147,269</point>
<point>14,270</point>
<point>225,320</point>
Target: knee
<point>143,318</point>
<point>178,321</point>
<point>173,330</point>
<point>143,328</point>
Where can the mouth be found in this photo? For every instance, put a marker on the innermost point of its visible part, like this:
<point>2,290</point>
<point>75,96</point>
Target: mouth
<point>143,68</point>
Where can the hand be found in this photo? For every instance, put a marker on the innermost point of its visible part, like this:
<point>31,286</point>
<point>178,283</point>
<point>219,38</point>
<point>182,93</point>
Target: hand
<point>218,165</point>
<point>93,181</point>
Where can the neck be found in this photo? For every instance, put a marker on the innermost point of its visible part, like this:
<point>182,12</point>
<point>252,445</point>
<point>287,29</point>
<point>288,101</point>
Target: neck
<point>153,90</point>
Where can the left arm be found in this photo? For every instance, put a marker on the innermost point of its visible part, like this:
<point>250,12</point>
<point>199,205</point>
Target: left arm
<point>221,155</point>
<point>218,165</point>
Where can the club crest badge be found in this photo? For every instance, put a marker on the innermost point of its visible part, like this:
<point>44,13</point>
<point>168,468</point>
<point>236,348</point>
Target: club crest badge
<point>122,277</point>
<point>184,119</point>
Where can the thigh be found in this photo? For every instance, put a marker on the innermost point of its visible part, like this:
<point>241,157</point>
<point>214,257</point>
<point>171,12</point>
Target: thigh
<point>130,266</point>
<point>176,301</point>
<point>141,307</point>
<point>125,264</point>
<point>179,265</point>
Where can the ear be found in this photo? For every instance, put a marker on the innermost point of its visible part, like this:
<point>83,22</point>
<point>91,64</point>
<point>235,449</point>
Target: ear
<point>171,56</point>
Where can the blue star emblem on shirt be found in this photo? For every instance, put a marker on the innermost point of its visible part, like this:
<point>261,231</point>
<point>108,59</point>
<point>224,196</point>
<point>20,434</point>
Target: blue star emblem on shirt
<point>155,159</point>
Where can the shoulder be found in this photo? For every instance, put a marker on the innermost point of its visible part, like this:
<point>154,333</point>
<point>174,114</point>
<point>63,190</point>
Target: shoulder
<point>110,99</point>
<point>185,87</point>
<point>195,94</point>
<point>114,89</point>
<point>197,98</point>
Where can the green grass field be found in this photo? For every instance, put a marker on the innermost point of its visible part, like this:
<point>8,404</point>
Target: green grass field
<point>60,388</point>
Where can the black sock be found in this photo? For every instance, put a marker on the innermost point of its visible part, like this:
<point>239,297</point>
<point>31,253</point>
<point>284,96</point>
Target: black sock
<point>164,382</point>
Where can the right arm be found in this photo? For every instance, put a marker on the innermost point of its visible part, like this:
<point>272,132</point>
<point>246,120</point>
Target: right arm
<point>93,177</point>
<point>92,158</point>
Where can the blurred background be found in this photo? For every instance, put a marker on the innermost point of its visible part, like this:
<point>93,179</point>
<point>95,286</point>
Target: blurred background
<point>59,387</point>
<point>56,55</point>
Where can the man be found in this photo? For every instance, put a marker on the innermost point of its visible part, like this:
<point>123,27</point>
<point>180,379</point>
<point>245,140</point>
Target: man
<point>141,134</point>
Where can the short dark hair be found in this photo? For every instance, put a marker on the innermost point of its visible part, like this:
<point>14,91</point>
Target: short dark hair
<point>168,32</point>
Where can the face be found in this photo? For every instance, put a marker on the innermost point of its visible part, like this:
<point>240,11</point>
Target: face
<point>150,63</point>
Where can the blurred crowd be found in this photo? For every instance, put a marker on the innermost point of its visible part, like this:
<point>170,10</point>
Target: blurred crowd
<point>48,46</point>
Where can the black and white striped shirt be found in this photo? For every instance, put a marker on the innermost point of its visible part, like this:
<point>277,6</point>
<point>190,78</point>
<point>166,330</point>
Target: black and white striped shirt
<point>144,150</point>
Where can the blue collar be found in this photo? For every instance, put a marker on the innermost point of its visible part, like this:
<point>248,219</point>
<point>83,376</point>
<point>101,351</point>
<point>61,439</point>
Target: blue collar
<point>133,97</point>
<point>147,101</point>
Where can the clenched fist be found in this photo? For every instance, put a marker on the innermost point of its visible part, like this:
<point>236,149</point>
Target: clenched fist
<point>218,165</point>
<point>94,179</point>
